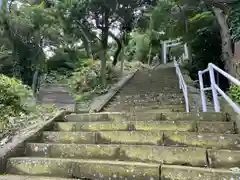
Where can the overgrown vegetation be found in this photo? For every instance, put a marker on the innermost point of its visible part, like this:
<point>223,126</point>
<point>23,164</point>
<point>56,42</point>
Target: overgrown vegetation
<point>234,92</point>
<point>17,108</point>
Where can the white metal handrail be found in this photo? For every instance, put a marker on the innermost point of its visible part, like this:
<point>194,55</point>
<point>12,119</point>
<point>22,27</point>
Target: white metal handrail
<point>216,89</point>
<point>182,85</point>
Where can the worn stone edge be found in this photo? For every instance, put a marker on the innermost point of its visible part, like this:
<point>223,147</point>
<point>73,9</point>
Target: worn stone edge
<point>98,104</point>
<point>16,147</point>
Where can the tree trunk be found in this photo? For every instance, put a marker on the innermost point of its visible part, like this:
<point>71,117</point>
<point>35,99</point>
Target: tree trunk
<point>121,58</point>
<point>150,37</point>
<point>16,64</point>
<point>104,41</point>
<point>103,67</point>
<point>186,27</point>
<point>118,51</point>
<point>227,52</point>
<point>34,82</point>
<point>150,54</point>
<point>87,42</point>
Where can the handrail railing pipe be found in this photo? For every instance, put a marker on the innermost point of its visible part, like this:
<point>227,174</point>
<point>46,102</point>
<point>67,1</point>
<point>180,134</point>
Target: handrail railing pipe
<point>182,85</point>
<point>216,89</point>
<point>202,92</point>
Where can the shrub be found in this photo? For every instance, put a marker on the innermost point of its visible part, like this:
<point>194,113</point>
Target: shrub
<point>87,78</point>
<point>16,101</point>
<point>13,94</point>
<point>234,93</point>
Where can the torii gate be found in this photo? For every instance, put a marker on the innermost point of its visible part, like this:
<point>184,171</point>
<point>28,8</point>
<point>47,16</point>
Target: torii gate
<point>172,43</point>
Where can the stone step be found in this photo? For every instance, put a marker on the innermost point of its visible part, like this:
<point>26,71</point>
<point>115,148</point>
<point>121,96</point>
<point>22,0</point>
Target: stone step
<point>147,97</point>
<point>191,156</point>
<point>207,140</point>
<point>216,127</point>
<point>142,116</point>
<point>199,116</point>
<point>105,137</point>
<point>164,106</point>
<point>150,93</point>
<point>146,108</point>
<point>223,158</point>
<point>154,87</point>
<point>159,85</point>
<point>126,126</point>
<point>89,169</point>
<point>15,177</point>
<point>175,172</point>
<point>137,99</point>
<point>153,78</point>
<point>191,126</point>
<point>153,105</point>
<point>168,138</point>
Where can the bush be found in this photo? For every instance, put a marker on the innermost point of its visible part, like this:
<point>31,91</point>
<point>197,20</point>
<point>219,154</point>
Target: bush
<point>13,95</point>
<point>234,93</point>
<point>138,47</point>
<point>88,79</point>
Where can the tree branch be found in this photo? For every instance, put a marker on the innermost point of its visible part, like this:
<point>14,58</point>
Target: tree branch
<point>117,52</point>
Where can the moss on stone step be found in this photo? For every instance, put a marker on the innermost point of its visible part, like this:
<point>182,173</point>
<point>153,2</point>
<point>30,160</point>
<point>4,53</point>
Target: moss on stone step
<point>93,169</point>
<point>105,137</point>
<point>88,117</point>
<point>216,127</point>
<point>201,116</point>
<point>143,116</point>
<point>130,137</point>
<point>169,172</point>
<point>140,153</point>
<point>66,137</point>
<point>112,116</point>
<point>208,140</point>
<point>15,177</point>
<point>126,125</point>
<point>147,107</point>
<point>224,158</point>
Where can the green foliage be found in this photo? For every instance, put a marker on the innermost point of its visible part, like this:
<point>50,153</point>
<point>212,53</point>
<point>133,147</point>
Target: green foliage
<point>25,31</point>
<point>13,96</point>
<point>234,19</point>
<point>234,93</point>
<point>138,46</point>
<point>87,78</point>
<point>206,47</point>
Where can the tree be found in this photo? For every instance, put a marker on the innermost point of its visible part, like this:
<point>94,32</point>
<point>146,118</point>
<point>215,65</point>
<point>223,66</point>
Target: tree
<point>226,14</point>
<point>105,16</point>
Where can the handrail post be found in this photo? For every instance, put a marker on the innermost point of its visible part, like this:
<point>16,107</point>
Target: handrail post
<point>178,74</point>
<point>202,92</point>
<point>186,101</point>
<point>214,91</point>
<point>182,85</point>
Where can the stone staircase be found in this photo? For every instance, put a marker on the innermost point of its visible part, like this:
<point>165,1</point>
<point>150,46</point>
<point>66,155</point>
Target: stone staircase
<point>161,143</point>
<point>149,90</point>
